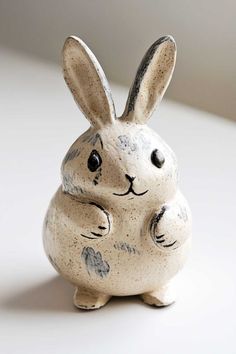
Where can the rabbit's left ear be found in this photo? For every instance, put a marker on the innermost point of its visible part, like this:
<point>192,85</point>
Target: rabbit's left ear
<point>87,82</point>
<point>151,81</point>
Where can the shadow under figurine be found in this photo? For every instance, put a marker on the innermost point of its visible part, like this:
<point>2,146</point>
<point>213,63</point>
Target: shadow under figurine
<point>118,225</point>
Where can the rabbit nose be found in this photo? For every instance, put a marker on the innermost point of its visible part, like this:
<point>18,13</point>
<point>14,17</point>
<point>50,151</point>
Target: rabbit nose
<point>129,178</point>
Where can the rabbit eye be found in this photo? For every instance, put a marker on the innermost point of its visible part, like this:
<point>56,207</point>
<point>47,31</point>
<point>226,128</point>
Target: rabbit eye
<point>94,161</point>
<point>157,158</point>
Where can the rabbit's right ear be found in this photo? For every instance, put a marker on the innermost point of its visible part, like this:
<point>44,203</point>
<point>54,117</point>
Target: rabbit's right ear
<point>151,81</point>
<point>87,82</point>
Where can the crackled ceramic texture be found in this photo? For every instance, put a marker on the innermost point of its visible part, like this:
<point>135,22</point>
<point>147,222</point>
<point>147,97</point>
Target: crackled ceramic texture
<point>118,224</point>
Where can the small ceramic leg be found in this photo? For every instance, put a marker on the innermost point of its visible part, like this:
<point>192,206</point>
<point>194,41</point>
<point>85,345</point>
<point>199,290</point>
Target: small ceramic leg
<point>88,300</point>
<point>162,297</point>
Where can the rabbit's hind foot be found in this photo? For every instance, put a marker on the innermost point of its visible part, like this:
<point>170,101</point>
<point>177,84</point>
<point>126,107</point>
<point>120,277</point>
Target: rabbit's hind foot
<point>161,297</point>
<point>88,300</point>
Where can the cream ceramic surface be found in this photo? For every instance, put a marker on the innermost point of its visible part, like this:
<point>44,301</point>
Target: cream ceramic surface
<point>118,224</point>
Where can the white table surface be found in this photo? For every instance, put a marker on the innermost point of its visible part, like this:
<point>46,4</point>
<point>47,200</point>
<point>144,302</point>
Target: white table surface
<point>39,121</point>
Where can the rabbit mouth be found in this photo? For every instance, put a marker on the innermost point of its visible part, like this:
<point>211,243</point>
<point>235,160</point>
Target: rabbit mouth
<point>130,190</point>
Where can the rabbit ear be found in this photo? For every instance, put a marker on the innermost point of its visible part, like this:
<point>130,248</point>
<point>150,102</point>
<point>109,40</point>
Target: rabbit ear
<point>151,81</point>
<point>87,82</point>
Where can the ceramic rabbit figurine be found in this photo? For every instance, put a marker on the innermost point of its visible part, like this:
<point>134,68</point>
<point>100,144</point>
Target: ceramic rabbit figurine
<point>118,225</point>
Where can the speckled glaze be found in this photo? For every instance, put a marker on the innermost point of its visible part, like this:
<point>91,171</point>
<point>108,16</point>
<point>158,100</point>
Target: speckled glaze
<point>118,224</point>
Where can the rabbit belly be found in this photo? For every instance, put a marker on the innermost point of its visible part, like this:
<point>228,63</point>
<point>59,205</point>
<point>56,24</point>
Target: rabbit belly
<point>125,262</point>
<point>116,272</point>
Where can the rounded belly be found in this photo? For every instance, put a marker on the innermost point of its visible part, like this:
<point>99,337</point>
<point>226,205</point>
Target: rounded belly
<point>120,264</point>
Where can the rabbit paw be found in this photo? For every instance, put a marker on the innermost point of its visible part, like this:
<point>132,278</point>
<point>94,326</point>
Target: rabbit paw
<point>87,300</point>
<point>96,222</point>
<point>169,228</point>
<point>158,229</point>
<point>164,296</point>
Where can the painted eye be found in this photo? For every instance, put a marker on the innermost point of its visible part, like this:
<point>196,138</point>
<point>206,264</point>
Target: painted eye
<point>157,158</point>
<point>94,161</point>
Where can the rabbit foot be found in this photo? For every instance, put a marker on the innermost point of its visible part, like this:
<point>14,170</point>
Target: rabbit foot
<point>87,300</point>
<point>164,296</point>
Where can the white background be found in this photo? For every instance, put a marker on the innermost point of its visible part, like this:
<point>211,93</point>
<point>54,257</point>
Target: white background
<point>39,121</point>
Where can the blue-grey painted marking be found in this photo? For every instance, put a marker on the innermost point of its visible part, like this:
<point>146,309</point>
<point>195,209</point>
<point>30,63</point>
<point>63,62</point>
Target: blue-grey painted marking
<point>69,187</point>
<point>94,262</point>
<point>124,246</point>
<point>71,155</point>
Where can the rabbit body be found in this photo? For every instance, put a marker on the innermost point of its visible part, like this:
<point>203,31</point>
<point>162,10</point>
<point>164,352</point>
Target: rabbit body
<point>118,224</point>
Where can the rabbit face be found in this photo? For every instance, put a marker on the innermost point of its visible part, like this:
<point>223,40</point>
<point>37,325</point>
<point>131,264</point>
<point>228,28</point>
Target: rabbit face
<point>122,161</point>
<point>119,158</point>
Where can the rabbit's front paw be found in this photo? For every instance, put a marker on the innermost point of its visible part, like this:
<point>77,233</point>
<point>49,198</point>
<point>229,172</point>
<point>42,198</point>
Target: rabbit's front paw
<point>160,229</point>
<point>170,226</point>
<point>97,222</point>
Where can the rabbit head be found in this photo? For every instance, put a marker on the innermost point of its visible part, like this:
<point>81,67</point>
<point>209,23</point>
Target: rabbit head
<point>119,158</point>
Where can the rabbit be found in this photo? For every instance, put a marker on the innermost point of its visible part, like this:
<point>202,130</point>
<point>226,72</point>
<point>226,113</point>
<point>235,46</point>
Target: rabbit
<point>118,225</point>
